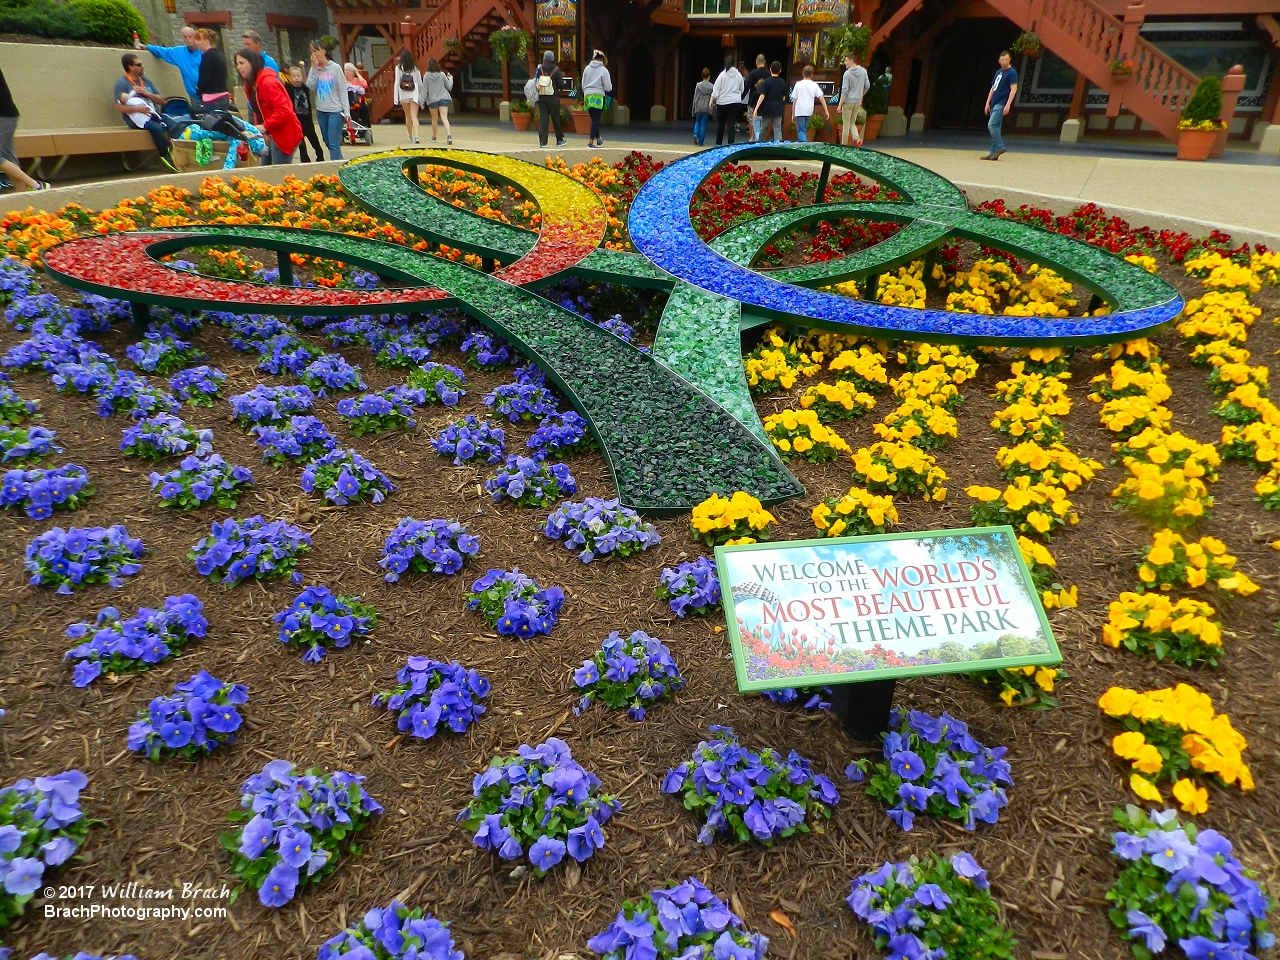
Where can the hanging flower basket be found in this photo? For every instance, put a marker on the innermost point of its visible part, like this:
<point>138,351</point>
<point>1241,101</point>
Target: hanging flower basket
<point>1027,45</point>
<point>1121,69</point>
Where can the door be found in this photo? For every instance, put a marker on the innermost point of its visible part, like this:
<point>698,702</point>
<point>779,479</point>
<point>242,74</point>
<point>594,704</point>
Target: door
<point>966,61</point>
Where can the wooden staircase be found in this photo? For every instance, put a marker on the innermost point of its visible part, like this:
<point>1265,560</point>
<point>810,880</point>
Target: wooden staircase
<point>469,21</point>
<point>1089,39</point>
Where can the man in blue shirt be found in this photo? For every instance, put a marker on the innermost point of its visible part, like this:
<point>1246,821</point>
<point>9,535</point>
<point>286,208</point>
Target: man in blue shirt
<point>999,102</point>
<point>252,40</point>
<point>186,58</point>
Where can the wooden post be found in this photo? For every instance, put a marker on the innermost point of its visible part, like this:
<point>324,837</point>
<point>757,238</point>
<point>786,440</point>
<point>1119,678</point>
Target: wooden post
<point>1134,15</point>
<point>1077,97</point>
<point>1232,84</point>
<point>506,78</point>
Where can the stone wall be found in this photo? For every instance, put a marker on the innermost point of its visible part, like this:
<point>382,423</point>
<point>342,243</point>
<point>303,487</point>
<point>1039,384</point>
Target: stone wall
<point>244,15</point>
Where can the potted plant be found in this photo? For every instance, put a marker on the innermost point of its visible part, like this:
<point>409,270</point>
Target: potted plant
<point>1200,121</point>
<point>451,45</point>
<point>581,119</point>
<point>503,45</point>
<point>851,37</point>
<point>817,130</point>
<point>1028,45</point>
<point>1122,68</point>
<point>876,103</point>
<point>521,114</point>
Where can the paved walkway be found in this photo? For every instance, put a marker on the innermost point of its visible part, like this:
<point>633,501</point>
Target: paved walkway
<point>1139,180</point>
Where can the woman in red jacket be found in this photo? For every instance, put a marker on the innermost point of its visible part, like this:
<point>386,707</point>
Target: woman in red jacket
<point>271,104</point>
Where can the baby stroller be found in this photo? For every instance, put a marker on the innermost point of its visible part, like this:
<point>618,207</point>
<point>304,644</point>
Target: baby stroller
<point>358,129</point>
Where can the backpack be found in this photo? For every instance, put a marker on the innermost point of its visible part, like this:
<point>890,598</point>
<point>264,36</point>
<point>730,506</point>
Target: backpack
<point>406,82</point>
<point>531,90</point>
<point>545,85</point>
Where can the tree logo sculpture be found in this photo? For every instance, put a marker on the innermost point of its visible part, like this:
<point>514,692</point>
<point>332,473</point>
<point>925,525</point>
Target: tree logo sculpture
<point>678,424</point>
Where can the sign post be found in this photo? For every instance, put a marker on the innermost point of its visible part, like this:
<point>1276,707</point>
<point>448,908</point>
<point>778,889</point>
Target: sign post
<point>857,613</point>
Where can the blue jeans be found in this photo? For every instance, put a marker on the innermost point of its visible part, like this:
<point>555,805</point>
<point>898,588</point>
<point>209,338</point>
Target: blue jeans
<point>333,129</point>
<point>755,127</point>
<point>802,129</point>
<point>700,127</point>
<point>993,128</point>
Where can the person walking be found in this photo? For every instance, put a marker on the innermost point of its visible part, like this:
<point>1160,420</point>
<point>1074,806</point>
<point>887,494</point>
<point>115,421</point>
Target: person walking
<point>406,91</point>
<point>770,105</point>
<point>301,98</point>
<point>8,157</point>
<point>596,85</point>
<point>328,86</point>
<point>546,81</point>
<point>211,85</point>
<point>1004,87</point>
<point>268,101</point>
<point>252,40</point>
<point>804,96</point>
<point>755,79</point>
<point>186,57</point>
<point>853,87</point>
<point>436,85</point>
<point>726,99</point>
<point>702,106</point>
<point>139,102</point>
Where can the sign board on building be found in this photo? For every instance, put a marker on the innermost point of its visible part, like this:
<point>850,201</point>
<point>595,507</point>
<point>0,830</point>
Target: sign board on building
<point>827,13</point>
<point>557,13</point>
<point>843,610</point>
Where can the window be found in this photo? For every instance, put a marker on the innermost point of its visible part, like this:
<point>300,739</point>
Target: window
<point>707,8</point>
<point>756,8</point>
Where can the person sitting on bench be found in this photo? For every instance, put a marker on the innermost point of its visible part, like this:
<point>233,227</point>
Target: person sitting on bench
<point>139,102</point>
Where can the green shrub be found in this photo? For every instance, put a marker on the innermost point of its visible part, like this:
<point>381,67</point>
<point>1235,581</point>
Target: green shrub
<point>876,99</point>
<point>110,21</point>
<point>1206,101</point>
<point>41,18</point>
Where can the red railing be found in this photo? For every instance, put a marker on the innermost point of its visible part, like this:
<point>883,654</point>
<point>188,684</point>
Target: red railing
<point>1088,38</point>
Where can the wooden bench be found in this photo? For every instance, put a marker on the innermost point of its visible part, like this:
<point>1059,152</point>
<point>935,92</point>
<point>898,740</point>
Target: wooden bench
<point>39,145</point>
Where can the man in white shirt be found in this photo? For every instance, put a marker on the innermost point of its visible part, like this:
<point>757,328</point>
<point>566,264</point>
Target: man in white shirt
<point>803,96</point>
<point>853,87</point>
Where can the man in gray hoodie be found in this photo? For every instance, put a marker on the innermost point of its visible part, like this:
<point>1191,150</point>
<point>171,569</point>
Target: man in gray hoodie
<point>853,87</point>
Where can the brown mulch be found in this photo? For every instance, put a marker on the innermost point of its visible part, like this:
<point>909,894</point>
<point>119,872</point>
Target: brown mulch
<point>159,824</point>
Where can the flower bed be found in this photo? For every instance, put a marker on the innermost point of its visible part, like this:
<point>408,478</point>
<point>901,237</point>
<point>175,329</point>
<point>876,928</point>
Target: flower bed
<point>1168,865</point>
<point>706,927</point>
<point>514,604</point>
<point>164,435</point>
<point>432,546</point>
<point>514,800</point>
<point>630,674</point>
<point>470,440</point>
<point>531,483</point>
<point>295,828</point>
<point>561,435</point>
<point>344,477</point>
<point>392,409</point>
<point>253,548</point>
<point>932,907</point>
<point>439,382</point>
<point>263,405</point>
<point>41,828</point>
<point>41,492</point>
<point>73,558</point>
<point>198,481</point>
<point>692,587</point>
<point>318,619</point>
<point>135,644</point>
<point>746,795</point>
<point>599,528</point>
<point>932,765</point>
<point>302,440</point>
<point>431,693</point>
<point>199,719</point>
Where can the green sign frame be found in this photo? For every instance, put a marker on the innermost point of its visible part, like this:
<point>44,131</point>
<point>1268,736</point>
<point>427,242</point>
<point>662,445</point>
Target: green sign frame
<point>796,596</point>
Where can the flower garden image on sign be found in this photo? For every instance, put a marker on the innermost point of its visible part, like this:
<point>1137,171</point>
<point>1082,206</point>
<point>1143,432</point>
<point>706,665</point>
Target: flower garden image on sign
<point>871,608</point>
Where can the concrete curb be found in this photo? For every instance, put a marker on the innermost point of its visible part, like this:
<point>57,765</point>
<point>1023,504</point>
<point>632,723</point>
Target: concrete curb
<point>95,196</point>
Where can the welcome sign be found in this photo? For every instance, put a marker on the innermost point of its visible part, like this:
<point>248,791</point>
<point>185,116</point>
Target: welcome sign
<point>843,610</point>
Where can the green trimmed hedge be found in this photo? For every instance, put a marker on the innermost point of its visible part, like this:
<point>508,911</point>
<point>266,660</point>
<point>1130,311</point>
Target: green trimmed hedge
<point>106,21</point>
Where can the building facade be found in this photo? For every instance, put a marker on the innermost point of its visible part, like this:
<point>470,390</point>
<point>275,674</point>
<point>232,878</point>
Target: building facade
<point>287,27</point>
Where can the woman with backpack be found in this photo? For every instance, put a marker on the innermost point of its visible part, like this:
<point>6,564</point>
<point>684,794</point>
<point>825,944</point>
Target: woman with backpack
<point>408,84</point>
<point>269,101</point>
<point>546,84</point>
<point>726,98</point>
<point>596,85</point>
<point>436,85</point>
